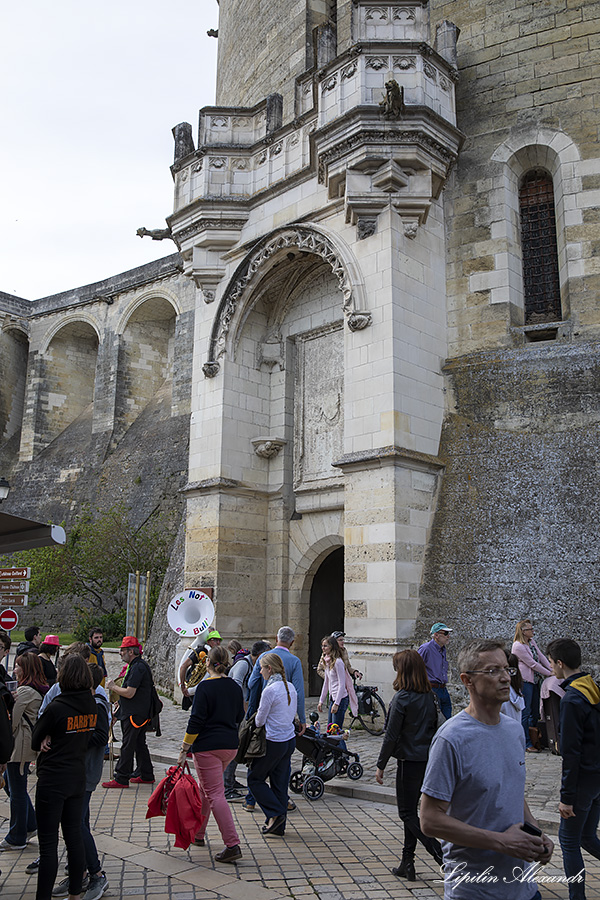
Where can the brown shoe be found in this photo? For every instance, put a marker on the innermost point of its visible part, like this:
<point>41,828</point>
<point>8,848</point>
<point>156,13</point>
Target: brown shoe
<point>229,854</point>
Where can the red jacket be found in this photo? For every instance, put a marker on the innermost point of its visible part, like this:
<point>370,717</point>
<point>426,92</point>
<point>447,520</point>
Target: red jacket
<point>180,791</point>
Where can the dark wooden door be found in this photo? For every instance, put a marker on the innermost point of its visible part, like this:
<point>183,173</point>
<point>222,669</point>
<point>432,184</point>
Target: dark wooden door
<point>326,611</point>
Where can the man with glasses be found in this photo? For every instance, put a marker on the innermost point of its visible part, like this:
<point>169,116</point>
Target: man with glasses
<point>436,663</point>
<point>474,790</point>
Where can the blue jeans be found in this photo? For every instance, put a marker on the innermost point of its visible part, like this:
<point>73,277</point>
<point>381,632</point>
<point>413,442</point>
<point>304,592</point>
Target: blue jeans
<point>580,831</point>
<point>444,698</point>
<point>531,713</point>
<point>338,718</point>
<point>92,863</point>
<point>274,765</point>
<point>22,814</point>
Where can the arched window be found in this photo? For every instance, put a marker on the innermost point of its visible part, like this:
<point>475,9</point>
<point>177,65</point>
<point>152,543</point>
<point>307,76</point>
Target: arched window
<point>538,243</point>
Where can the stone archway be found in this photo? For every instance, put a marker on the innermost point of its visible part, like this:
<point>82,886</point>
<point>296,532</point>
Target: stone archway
<point>259,264</point>
<point>326,610</point>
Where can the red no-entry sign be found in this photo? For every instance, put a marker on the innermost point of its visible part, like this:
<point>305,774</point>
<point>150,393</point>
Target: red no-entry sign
<point>8,619</point>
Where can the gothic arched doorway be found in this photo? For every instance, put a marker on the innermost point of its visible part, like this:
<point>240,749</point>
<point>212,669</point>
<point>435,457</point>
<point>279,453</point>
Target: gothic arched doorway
<point>326,611</point>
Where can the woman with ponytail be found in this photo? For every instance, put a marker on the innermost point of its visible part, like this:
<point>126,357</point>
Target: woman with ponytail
<point>277,709</point>
<point>212,736</point>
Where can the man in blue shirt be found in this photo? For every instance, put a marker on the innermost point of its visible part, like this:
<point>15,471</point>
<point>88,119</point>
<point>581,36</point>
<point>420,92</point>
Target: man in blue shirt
<point>436,663</point>
<point>293,673</point>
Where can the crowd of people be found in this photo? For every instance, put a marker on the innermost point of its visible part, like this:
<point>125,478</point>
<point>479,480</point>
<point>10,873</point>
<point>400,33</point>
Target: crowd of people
<point>59,716</point>
<point>467,771</point>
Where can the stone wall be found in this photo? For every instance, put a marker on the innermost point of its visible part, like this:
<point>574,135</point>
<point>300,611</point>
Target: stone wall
<point>145,471</point>
<point>251,40</point>
<point>526,97</point>
<point>105,370</point>
<point>111,344</point>
<point>516,528</point>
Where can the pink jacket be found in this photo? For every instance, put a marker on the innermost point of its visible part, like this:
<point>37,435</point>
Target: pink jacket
<point>338,684</point>
<point>527,664</point>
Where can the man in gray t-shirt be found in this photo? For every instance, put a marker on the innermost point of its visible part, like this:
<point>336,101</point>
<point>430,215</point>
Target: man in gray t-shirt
<point>474,790</point>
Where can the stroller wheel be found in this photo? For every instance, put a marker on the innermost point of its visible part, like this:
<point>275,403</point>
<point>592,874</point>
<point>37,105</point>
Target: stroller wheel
<point>343,766</point>
<point>355,771</point>
<point>313,788</point>
<point>296,782</point>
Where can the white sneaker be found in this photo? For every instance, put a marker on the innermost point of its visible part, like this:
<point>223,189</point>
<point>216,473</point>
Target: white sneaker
<point>5,845</point>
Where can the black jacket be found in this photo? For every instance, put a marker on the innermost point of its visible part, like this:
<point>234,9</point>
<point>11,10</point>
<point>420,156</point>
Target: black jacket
<point>411,725</point>
<point>69,720</point>
<point>27,647</point>
<point>579,734</point>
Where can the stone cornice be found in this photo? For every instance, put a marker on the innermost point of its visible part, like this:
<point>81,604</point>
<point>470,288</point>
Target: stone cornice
<point>227,486</point>
<point>393,455</point>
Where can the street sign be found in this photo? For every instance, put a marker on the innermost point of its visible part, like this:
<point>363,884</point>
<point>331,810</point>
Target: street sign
<point>8,619</point>
<point>14,587</point>
<point>12,574</point>
<point>13,600</point>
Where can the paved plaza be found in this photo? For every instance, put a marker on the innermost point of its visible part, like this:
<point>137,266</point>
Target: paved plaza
<point>338,848</point>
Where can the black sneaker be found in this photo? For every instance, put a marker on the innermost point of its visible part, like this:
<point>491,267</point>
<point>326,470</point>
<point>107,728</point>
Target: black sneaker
<point>233,796</point>
<point>33,866</point>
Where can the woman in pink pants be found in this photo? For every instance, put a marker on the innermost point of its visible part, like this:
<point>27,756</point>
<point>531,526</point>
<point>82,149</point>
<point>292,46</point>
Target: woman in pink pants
<point>212,735</point>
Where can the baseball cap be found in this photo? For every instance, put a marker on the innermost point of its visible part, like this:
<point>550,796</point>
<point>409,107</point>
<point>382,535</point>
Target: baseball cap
<point>338,634</point>
<point>51,639</point>
<point>439,626</point>
<point>130,641</point>
<point>213,634</point>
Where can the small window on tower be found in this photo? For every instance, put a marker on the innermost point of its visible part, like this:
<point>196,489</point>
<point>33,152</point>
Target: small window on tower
<point>538,243</point>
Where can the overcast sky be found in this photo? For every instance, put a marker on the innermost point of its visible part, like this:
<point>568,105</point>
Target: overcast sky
<point>90,93</point>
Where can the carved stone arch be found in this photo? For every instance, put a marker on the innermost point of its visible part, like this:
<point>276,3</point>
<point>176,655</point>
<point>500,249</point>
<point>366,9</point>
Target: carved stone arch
<point>135,304</point>
<point>14,356</point>
<point>147,334</point>
<point>64,321</point>
<point>244,287</point>
<point>20,327</point>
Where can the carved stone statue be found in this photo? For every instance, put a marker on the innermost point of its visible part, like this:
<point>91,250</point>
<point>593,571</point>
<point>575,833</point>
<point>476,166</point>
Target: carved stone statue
<point>157,234</point>
<point>392,105</point>
<point>357,321</point>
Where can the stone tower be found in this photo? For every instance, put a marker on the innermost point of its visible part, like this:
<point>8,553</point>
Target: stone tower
<point>387,299</point>
<point>310,218</point>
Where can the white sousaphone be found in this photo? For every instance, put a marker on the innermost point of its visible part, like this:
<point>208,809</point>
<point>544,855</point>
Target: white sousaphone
<point>191,613</point>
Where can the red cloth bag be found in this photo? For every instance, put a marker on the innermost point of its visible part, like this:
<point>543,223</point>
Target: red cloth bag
<point>177,797</point>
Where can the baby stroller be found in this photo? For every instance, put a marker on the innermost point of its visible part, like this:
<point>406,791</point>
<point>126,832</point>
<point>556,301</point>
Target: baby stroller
<point>322,760</point>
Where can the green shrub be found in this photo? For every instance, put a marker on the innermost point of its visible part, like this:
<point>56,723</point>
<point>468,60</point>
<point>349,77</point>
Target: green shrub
<point>112,624</point>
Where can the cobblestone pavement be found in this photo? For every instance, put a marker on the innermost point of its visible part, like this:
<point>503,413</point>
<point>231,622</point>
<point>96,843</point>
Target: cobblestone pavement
<point>337,848</point>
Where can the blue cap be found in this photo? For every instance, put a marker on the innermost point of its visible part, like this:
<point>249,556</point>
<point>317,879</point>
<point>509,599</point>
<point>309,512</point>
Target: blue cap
<point>439,626</point>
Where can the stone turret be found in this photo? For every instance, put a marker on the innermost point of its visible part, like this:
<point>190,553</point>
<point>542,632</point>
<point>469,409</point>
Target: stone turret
<point>310,219</point>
